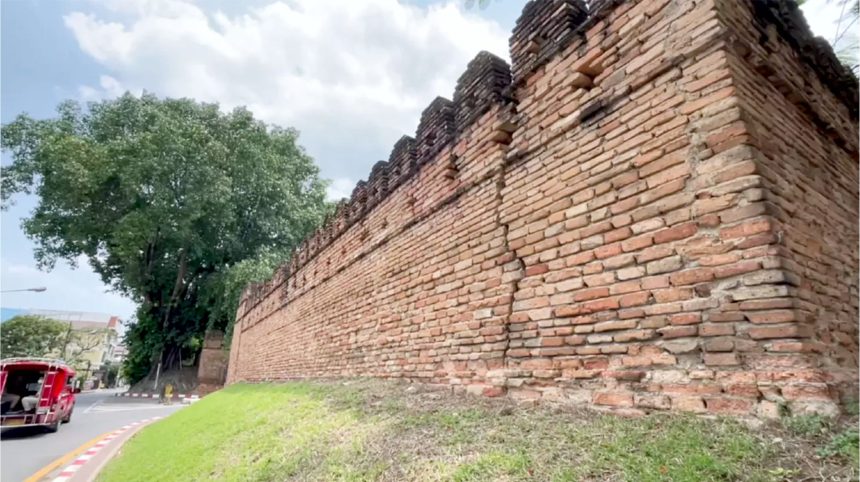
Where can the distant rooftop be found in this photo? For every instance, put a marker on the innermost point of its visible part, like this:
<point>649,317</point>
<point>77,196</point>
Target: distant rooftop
<point>79,319</point>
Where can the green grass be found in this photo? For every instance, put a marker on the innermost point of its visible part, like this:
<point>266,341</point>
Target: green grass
<point>263,432</point>
<point>807,425</point>
<point>843,444</point>
<point>831,443</point>
<point>493,466</point>
<point>371,430</point>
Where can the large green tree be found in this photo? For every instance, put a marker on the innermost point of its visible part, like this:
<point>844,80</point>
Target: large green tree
<point>174,203</point>
<point>32,336</point>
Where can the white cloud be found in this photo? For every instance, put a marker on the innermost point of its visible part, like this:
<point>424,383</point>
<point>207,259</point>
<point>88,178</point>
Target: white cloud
<point>351,76</point>
<point>109,87</point>
<point>339,188</point>
<point>21,269</point>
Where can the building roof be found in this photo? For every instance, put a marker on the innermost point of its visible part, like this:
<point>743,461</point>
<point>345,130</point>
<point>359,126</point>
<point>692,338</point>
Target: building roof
<point>78,319</point>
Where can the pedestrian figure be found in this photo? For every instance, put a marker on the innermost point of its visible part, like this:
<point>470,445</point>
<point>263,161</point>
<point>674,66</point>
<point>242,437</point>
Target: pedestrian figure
<point>168,393</point>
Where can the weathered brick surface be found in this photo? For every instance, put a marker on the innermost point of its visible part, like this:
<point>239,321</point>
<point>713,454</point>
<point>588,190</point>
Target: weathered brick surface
<point>659,212</point>
<point>212,370</point>
<point>808,165</point>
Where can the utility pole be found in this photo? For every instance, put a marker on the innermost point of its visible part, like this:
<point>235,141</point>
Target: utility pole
<point>157,371</point>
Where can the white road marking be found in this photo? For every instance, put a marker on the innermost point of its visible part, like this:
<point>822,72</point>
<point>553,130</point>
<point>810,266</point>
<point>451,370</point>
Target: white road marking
<point>93,405</point>
<point>127,407</point>
<point>69,472</point>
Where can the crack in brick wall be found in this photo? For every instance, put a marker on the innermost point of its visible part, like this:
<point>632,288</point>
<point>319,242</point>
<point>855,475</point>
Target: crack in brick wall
<point>608,222</point>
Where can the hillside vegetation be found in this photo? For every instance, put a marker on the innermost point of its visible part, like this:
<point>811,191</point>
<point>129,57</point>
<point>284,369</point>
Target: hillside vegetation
<point>373,430</point>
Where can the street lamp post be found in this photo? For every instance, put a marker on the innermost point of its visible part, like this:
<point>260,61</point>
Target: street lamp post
<point>37,290</point>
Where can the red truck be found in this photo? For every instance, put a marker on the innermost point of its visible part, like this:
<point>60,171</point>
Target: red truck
<point>36,392</point>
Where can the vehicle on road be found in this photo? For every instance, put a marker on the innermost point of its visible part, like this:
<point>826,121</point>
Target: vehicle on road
<point>36,392</point>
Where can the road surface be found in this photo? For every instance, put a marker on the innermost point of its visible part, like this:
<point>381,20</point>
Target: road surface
<point>26,450</point>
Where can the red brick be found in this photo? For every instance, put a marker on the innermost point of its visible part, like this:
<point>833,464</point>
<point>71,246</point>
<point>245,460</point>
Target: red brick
<point>736,269</point>
<point>591,294</point>
<point>634,299</point>
<point>654,252</point>
<point>742,390</point>
<point>675,233</point>
<point>600,305</point>
<point>637,243</point>
<point>617,235</point>
<point>615,399</point>
<point>677,331</point>
<point>552,341</point>
<point>580,258</point>
<point>653,282</point>
<point>692,276</point>
<point>726,316</point>
<point>537,364</point>
<point>493,391</point>
<point>747,228</point>
<point>690,107</point>
<point>607,251</point>
<point>634,335</point>
<point>537,269</point>
<point>720,259</point>
<point>783,331</point>
<point>727,405</point>
<point>565,311</point>
<point>808,391</point>
<point>685,318</point>
<point>595,363</point>
<point>767,304</point>
<point>614,325</point>
<point>772,316</point>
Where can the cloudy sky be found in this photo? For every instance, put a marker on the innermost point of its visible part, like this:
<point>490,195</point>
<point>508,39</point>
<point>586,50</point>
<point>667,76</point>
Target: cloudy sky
<point>351,75</point>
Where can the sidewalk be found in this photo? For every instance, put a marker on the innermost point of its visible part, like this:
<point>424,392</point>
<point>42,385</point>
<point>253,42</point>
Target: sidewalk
<point>86,466</point>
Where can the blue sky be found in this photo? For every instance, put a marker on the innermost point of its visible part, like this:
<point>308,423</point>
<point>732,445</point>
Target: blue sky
<point>352,76</point>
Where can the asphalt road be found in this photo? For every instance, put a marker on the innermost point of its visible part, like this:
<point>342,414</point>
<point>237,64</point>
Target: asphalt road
<point>24,451</point>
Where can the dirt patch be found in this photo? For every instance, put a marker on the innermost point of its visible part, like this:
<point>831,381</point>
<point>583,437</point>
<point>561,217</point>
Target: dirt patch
<point>375,430</point>
<point>183,381</point>
<point>443,428</point>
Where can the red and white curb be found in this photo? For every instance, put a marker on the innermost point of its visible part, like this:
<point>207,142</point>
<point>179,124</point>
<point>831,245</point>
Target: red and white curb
<point>152,395</point>
<point>85,457</point>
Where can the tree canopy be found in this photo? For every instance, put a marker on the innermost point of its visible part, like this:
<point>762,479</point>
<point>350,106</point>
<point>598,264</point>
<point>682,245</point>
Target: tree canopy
<point>31,336</point>
<point>174,203</point>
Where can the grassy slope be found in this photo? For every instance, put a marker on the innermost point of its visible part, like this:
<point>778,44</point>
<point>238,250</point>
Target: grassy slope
<point>380,431</point>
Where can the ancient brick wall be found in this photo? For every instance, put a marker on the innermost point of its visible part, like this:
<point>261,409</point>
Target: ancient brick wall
<point>655,207</point>
<point>807,163</point>
<point>212,369</point>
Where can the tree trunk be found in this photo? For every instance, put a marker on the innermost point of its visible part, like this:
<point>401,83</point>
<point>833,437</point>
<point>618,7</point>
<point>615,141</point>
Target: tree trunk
<point>171,358</point>
<point>177,290</point>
